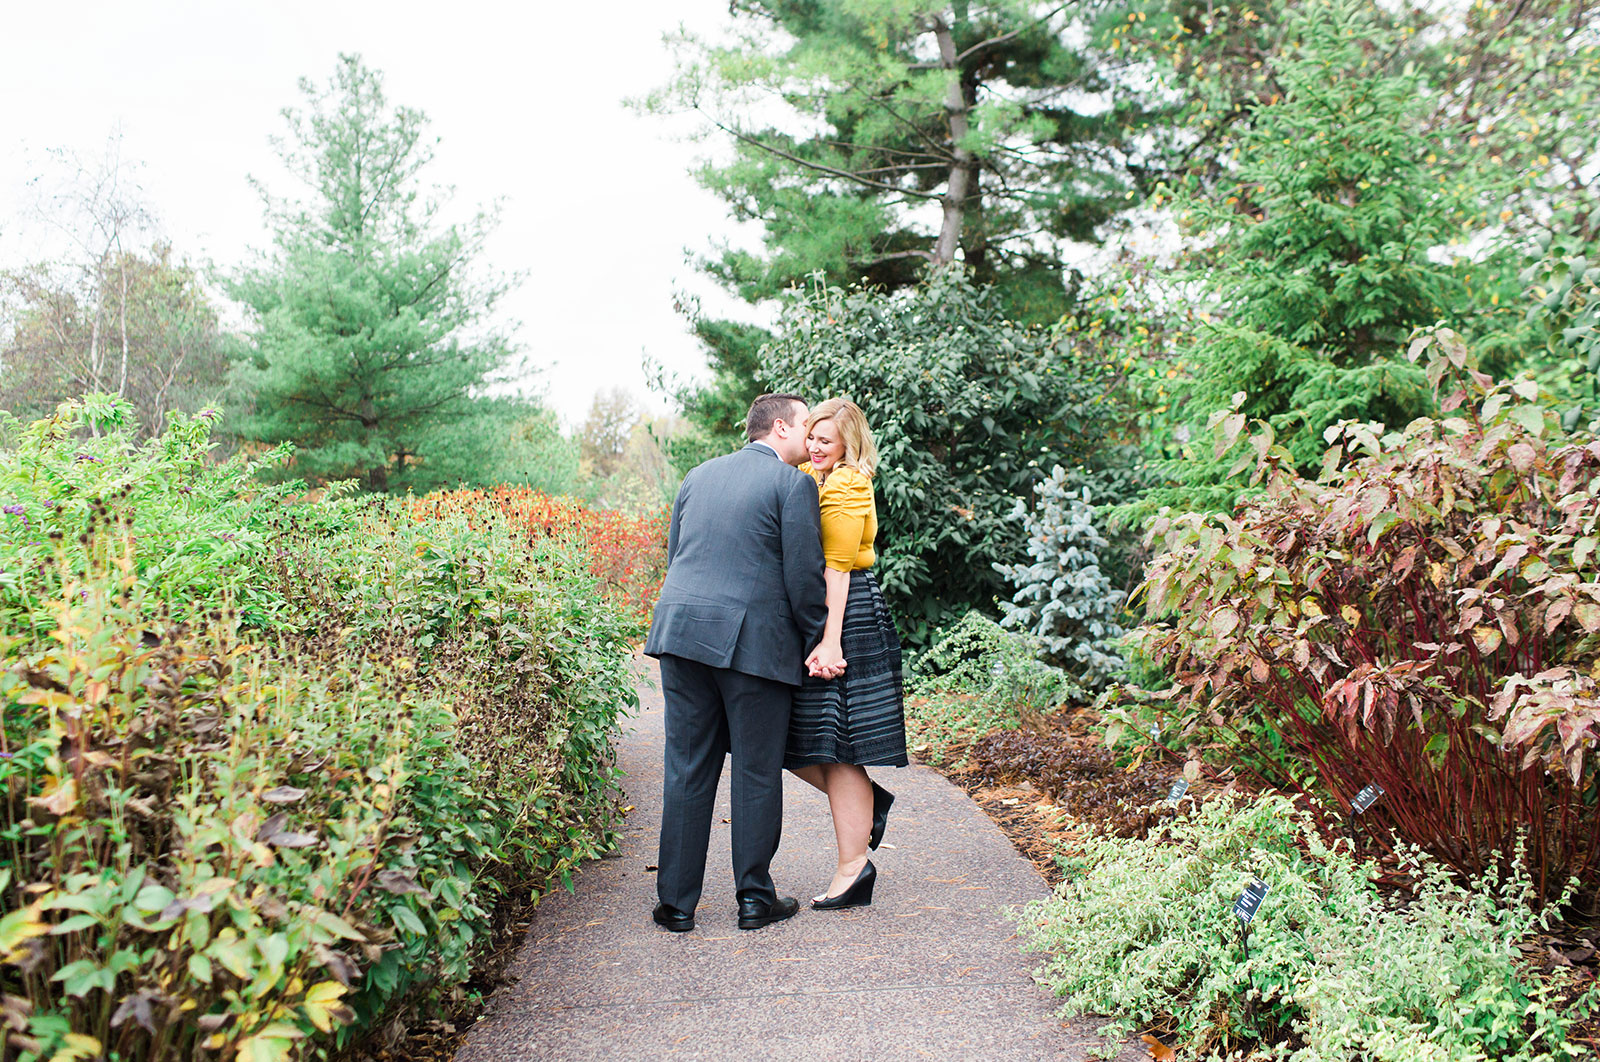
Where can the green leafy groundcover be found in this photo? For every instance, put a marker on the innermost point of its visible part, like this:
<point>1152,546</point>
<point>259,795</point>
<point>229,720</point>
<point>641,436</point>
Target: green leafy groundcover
<point>268,765</point>
<point>1142,930</point>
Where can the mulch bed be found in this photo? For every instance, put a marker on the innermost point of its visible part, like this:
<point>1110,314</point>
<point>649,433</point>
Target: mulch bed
<point>1042,782</point>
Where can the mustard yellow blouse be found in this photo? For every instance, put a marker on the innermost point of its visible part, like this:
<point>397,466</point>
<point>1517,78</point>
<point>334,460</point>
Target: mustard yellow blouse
<point>849,517</point>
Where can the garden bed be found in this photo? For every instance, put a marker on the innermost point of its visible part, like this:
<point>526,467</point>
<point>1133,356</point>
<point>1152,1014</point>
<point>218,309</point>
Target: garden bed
<point>1044,781</point>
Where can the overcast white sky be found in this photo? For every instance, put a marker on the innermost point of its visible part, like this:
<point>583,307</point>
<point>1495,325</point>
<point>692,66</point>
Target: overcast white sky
<point>598,207</point>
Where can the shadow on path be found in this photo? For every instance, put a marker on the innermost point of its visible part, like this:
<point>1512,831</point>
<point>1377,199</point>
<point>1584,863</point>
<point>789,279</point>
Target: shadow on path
<point>930,970</point>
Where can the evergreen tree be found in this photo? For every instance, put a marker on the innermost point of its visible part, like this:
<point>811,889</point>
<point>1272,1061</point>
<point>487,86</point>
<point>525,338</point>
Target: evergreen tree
<point>932,132</point>
<point>1520,80</point>
<point>1063,599</point>
<point>1323,249</point>
<point>503,440</point>
<point>873,139</point>
<point>368,351</point>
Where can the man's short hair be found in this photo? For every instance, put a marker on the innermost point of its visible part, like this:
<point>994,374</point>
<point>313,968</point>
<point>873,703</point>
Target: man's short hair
<point>766,409</point>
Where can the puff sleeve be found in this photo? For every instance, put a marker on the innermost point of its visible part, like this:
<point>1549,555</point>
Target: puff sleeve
<point>846,503</point>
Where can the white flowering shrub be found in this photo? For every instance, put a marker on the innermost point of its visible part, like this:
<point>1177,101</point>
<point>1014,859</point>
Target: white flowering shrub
<point>1063,598</point>
<point>1143,931</point>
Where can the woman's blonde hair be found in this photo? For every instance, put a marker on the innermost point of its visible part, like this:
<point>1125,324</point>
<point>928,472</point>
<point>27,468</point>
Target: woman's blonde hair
<point>860,451</point>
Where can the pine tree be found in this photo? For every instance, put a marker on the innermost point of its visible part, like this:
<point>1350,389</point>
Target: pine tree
<point>368,352</point>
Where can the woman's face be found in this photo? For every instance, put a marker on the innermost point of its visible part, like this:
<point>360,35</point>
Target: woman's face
<point>824,445</point>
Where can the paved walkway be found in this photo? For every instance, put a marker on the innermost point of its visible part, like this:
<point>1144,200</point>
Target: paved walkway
<point>930,970</point>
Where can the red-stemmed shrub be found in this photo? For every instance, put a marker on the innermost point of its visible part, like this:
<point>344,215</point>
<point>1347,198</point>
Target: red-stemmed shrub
<point>627,552</point>
<point>1425,616</point>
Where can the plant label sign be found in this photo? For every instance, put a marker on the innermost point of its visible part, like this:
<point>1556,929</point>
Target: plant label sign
<point>1249,901</point>
<point>1175,794</point>
<point>1155,733</point>
<point>1366,798</point>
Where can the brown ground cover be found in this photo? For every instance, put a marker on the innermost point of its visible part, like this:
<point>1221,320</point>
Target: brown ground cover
<point>1045,782</point>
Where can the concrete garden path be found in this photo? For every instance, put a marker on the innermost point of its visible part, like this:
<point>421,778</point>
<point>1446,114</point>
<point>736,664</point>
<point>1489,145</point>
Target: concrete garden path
<point>930,970</point>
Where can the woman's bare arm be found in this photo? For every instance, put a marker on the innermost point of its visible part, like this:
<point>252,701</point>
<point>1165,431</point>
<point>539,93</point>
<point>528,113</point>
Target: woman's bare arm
<point>829,655</point>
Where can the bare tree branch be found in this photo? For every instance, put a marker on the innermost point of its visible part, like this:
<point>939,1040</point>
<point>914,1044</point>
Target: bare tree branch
<point>816,166</point>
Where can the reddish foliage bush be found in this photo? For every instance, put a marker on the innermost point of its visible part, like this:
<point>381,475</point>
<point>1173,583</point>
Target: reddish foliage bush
<point>627,553</point>
<point>1426,615</point>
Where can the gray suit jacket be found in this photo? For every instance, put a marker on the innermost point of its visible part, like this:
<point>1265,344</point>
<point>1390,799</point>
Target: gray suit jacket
<point>744,587</point>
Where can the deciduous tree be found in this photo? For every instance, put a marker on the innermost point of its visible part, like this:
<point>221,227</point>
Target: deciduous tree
<point>165,349</point>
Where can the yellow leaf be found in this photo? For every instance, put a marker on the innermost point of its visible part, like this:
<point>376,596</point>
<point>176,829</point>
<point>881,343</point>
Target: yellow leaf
<point>1350,615</point>
<point>58,796</point>
<point>1487,638</point>
<point>325,992</point>
<point>322,1005</point>
<point>17,928</point>
<point>263,1048</point>
<point>77,1046</point>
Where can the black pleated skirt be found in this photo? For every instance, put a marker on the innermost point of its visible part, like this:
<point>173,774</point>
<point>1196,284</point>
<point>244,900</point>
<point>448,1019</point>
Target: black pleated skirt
<point>858,717</point>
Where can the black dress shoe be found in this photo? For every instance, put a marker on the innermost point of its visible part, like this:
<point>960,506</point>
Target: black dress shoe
<point>668,917</point>
<point>753,914</point>
<point>859,894</point>
<point>882,800</point>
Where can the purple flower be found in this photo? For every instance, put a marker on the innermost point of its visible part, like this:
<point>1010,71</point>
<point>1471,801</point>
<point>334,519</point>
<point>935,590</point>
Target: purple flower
<point>15,510</point>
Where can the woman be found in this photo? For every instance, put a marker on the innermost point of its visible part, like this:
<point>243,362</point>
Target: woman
<point>842,725</point>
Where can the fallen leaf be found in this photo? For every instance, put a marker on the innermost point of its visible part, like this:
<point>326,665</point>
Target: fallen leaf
<point>1158,1050</point>
<point>283,794</point>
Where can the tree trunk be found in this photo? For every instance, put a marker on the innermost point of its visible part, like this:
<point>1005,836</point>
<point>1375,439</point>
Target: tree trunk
<point>377,477</point>
<point>962,163</point>
<point>95,357</point>
<point>122,376</point>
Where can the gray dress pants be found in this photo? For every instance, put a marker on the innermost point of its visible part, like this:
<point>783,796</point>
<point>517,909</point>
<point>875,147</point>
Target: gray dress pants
<point>711,711</point>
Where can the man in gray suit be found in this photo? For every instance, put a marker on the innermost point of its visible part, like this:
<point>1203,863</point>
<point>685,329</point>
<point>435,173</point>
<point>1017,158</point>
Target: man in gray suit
<point>743,602</point>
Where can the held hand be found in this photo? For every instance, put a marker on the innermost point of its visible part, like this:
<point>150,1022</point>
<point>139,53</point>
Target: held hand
<point>817,671</point>
<point>826,661</point>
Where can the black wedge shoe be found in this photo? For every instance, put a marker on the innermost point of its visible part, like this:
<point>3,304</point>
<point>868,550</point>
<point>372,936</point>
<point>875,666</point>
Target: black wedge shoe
<point>859,894</point>
<point>882,801</point>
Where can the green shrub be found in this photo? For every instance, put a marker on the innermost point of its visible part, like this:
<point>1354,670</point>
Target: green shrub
<point>1142,931</point>
<point>968,409</point>
<point>197,525</point>
<point>976,677</point>
<point>263,796</point>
